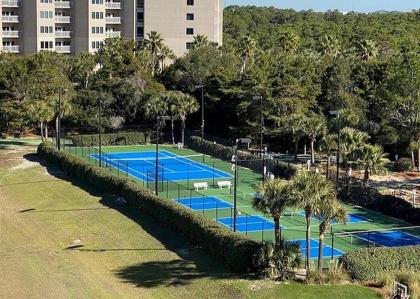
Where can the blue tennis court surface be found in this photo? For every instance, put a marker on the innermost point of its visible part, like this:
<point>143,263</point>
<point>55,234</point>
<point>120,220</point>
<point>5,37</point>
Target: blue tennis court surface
<point>204,203</point>
<point>141,165</point>
<point>351,218</point>
<point>327,250</point>
<point>389,238</point>
<point>248,223</point>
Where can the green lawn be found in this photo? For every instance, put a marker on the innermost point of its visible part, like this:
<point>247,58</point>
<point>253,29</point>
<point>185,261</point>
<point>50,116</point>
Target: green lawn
<point>123,253</point>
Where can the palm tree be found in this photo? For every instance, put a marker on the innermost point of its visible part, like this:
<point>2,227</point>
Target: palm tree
<point>366,49</point>
<point>164,54</point>
<point>273,197</point>
<point>154,43</point>
<point>311,190</point>
<point>156,106</point>
<point>172,101</point>
<point>352,141</point>
<point>330,211</point>
<point>330,46</point>
<point>294,125</point>
<point>289,42</point>
<point>185,106</point>
<point>247,49</point>
<point>373,159</point>
<point>315,125</point>
<point>200,41</point>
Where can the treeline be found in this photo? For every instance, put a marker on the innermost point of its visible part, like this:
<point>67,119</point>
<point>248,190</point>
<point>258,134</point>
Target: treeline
<point>303,64</point>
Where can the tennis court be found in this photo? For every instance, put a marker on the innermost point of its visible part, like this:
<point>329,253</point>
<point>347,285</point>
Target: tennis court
<point>327,250</point>
<point>351,218</point>
<point>204,203</point>
<point>248,223</point>
<point>142,165</point>
<point>389,238</point>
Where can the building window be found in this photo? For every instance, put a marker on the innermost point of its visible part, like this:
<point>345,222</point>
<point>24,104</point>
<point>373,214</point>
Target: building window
<point>47,45</point>
<point>46,29</point>
<point>190,31</point>
<point>189,45</point>
<point>190,2</point>
<point>190,16</point>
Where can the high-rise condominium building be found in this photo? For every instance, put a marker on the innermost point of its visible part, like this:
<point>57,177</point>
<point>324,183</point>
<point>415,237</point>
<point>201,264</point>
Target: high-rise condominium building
<point>71,26</point>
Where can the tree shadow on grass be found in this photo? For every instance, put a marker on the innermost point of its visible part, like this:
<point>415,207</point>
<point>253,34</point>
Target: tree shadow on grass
<point>192,262</point>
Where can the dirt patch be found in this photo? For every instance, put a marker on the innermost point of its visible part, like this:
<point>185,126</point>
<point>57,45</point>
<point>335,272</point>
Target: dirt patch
<point>25,164</point>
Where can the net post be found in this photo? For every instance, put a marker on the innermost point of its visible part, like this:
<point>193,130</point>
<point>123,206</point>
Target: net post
<point>203,203</point>
<point>262,232</point>
<point>214,183</point>
<point>246,224</point>
<point>332,244</point>
<point>167,188</point>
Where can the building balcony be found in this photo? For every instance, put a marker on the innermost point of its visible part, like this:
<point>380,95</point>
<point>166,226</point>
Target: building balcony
<point>10,33</point>
<point>113,20</point>
<point>10,19</point>
<point>111,34</point>
<point>62,19</point>
<point>62,4</point>
<point>113,5</point>
<point>63,34</point>
<point>11,3</point>
<point>63,49</point>
<point>11,49</point>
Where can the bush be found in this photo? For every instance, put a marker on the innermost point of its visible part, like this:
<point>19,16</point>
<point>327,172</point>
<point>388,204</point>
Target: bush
<point>335,274</point>
<point>238,251</point>
<point>253,162</point>
<point>386,204</point>
<point>373,263</point>
<point>121,138</point>
<point>403,164</point>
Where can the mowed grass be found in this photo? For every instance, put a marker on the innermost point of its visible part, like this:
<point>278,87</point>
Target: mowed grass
<point>122,254</point>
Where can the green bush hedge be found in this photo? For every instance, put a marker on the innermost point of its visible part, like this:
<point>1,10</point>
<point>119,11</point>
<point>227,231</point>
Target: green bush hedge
<point>121,138</point>
<point>238,251</point>
<point>372,263</point>
<point>223,152</point>
<point>386,204</point>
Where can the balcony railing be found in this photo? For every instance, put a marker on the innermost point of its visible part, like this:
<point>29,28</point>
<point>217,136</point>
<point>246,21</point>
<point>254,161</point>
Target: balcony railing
<point>11,3</point>
<point>113,5</point>
<point>11,49</point>
<point>10,33</point>
<point>63,34</point>
<point>62,19</point>
<point>63,49</point>
<point>111,34</point>
<point>62,4</point>
<point>10,19</point>
<point>113,20</point>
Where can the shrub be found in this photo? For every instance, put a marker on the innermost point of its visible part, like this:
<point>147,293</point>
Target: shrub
<point>386,204</point>
<point>335,274</point>
<point>238,251</point>
<point>374,263</point>
<point>121,138</point>
<point>253,162</point>
<point>403,164</point>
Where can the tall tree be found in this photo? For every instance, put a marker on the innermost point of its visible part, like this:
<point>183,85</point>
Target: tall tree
<point>186,105</point>
<point>247,49</point>
<point>154,43</point>
<point>311,190</point>
<point>314,126</point>
<point>373,159</point>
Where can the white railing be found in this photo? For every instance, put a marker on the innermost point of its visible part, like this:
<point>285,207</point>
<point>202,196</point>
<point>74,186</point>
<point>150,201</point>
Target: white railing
<point>63,34</point>
<point>113,20</point>
<point>111,34</point>
<point>11,3</point>
<point>63,49</point>
<point>10,19</point>
<point>62,4</point>
<point>10,33</point>
<point>62,19</point>
<point>11,49</point>
<point>113,5</point>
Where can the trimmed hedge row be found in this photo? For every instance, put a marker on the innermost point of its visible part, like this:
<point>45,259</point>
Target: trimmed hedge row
<point>372,263</point>
<point>121,138</point>
<point>223,152</point>
<point>386,204</point>
<point>236,250</point>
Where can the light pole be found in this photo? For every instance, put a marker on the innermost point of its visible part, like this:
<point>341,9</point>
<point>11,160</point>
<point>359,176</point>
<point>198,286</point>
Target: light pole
<point>337,114</point>
<point>202,111</point>
<point>260,98</point>
<point>100,132</point>
<point>158,119</point>
<point>235,183</point>
<point>58,118</point>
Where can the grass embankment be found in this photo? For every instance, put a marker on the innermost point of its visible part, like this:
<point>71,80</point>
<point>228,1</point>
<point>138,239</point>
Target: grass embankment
<point>122,253</point>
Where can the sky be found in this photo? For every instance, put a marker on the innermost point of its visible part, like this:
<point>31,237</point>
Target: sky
<point>341,5</point>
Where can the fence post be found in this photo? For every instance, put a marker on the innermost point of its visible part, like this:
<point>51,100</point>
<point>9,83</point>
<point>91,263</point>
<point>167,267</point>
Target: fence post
<point>332,244</point>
